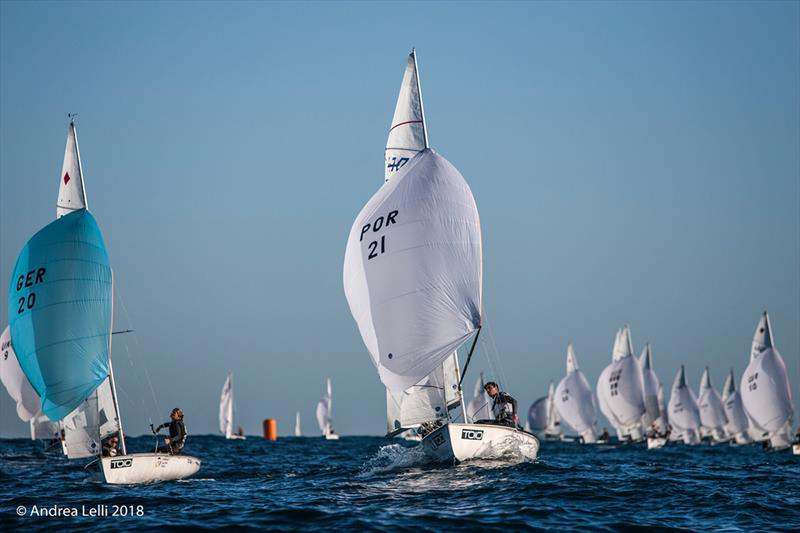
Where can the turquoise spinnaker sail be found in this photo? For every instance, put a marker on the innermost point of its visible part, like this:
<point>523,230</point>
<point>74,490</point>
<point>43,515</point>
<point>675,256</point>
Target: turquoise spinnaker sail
<point>60,312</point>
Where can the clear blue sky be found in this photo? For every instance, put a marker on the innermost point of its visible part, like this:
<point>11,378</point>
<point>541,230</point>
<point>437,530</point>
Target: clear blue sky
<point>632,162</point>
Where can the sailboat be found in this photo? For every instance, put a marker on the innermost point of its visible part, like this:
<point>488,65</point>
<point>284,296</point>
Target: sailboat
<point>619,389</point>
<point>413,278</point>
<point>712,412</point>
<point>226,411</point>
<point>737,425</point>
<point>324,415</point>
<point>684,414</point>
<point>765,390</point>
<point>297,431</point>
<point>574,401</point>
<point>543,418</point>
<point>61,314</point>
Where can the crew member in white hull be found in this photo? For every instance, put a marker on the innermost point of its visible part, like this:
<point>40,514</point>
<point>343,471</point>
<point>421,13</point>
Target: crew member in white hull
<point>504,407</point>
<point>177,433</point>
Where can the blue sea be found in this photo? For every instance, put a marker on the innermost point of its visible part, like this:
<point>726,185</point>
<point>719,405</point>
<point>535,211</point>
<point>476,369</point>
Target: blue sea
<point>378,484</point>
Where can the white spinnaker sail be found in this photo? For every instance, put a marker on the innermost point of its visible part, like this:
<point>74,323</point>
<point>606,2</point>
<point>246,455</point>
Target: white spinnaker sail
<point>297,431</point>
<point>412,270</point>
<point>407,133</point>
<point>573,397</point>
<point>712,412</point>
<point>765,391</point>
<point>226,408</point>
<point>620,385</point>
<point>42,428</point>
<point>684,414</point>
<point>650,384</point>
<point>15,381</point>
<point>71,192</point>
<point>734,410</point>
<point>91,422</point>
<point>480,407</point>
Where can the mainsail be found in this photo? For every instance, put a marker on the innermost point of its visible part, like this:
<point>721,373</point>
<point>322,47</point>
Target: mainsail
<point>712,412</point>
<point>324,411</point>
<point>297,431</point>
<point>684,415</point>
<point>71,192</point>
<point>619,388</point>
<point>226,408</point>
<point>650,387</point>
<point>14,380</point>
<point>765,390</point>
<point>408,132</point>
<point>574,400</point>
<point>737,426</point>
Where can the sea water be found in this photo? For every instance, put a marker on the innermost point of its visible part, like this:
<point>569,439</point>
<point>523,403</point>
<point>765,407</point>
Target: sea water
<point>372,483</point>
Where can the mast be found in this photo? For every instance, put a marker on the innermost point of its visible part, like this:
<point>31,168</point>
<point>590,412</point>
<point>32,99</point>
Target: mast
<point>111,373</point>
<point>421,105</point>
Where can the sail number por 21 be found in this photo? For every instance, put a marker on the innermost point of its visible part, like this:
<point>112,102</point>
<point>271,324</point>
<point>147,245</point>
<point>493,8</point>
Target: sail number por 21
<point>32,278</point>
<point>378,246</point>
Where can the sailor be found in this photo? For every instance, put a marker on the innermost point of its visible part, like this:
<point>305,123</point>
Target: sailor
<point>110,446</point>
<point>177,433</point>
<point>504,407</point>
<point>604,437</point>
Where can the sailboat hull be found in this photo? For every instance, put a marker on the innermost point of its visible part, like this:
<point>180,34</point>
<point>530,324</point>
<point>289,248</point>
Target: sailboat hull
<point>655,442</point>
<point>331,436</point>
<point>235,437</point>
<point>463,442</point>
<point>139,468</point>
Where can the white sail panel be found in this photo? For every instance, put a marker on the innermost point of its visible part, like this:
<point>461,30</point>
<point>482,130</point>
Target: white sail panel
<point>650,384</point>
<point>620,386</point>
<point>14,380</point>
<point>602,401</point>
<point>734,410</point>
<point>423,402</point>
<point>766,394</point>
<point>412,270</point>
<point>684,414</point>
<point>226,408</point>
<point>325,410</point>
<point>71,192</point>
<point>480,407</point>
<point>407,133</point>
<point>450,381</point>
<point>42,428</point>
<point>297,430</point>
<point>91,422</point>
<point>538,415</point>
<point>573,397</point>
<point>712,412</point>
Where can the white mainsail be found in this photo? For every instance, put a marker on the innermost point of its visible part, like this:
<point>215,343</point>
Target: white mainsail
<point>408,132</point>
<point>480,407</point>
<point>684,415</point>
<point>766,394</point>
<point>737,426</point>
<point>412,272</point>
<point>15,381</point>
<point>574,400</point>
<point>297,431</point>
<point>650,386</point>
<point>226,408</point>
<point>71,192</point>
<point>619,388</point>
<point>712,412</point>
<point>324,412</point>
<point>91,422</point>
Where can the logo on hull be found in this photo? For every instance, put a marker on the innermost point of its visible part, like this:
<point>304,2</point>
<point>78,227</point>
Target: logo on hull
<point>472,434</point>
<point>121,463</point>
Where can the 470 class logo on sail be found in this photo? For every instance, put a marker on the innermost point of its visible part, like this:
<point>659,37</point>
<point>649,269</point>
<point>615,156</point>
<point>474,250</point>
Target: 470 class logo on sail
<point>377,247</point>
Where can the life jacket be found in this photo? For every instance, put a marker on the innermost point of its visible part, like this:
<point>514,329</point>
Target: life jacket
<point>504,406</point>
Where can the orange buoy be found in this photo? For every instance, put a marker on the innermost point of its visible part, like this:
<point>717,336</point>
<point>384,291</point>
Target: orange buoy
<point>271,429</point>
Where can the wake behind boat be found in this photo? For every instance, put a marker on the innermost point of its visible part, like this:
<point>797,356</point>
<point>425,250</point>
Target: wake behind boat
<point>413,278</point>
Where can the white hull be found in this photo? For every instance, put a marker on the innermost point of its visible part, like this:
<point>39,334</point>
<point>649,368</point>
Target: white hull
<point>331,436</point>
<point>462,442</point>
<point>138,468</point>
<point>655,442</point>
<point>236,437</point>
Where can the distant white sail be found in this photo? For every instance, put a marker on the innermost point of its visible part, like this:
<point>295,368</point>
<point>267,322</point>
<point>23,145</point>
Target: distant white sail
<point>620,388</point>
<point>737,426</point>
<point>91,422</point>
<point>574,400</point>
<point>14,380</point>
<point>650,385</point>
<point>42,428</point>
<point>226,408</point>
<point>712,412</point>
<point>412,272</point>
<point>543,419</point>
<point>324,412</point>
<point>407,133</point>
<point>71,192</point>
<point>662,409</point>
<point>766,394</point>
<point>684,415</point>
<point>297,431</point>
<point>480,407</point>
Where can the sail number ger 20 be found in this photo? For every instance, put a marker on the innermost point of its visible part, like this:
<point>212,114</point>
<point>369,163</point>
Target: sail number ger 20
<point>378,247</point>
<point>32,278</point>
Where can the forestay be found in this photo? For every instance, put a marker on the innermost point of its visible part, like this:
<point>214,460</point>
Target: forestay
<point>14,380</point>
<point>573,397</point>
<point>684,414</point>
<point>407,133</point>
<point>765,391</point>
<point>60,309</point>
<point>412,270</point>
<point>71,191</point>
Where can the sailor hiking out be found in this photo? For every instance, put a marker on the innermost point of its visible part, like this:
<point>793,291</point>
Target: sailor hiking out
<point>177,433</point>
<point>504,407</point>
